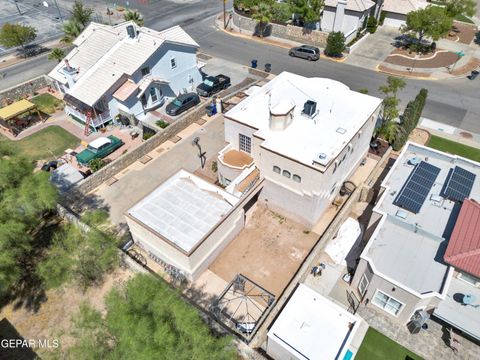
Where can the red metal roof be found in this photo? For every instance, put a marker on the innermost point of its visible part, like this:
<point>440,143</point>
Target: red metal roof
<point>463,251</point>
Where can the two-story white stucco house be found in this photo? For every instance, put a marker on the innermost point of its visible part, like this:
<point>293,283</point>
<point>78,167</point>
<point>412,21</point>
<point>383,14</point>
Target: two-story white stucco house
<point>125,70</point>
<point>303,136</point>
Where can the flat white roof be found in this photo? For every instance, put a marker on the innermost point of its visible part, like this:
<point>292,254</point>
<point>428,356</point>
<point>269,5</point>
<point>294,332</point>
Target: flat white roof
<point>312,327</point>
<point>306,138</point>
<point>183,209</point>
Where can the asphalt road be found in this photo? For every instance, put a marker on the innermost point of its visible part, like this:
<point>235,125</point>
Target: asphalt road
<point>453,102</point>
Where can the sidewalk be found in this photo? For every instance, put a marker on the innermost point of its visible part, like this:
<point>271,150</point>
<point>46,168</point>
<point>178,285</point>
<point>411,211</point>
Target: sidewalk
<point>450,132</point>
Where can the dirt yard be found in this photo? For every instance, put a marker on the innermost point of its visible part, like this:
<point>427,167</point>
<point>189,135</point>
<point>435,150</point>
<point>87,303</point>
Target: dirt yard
<point>268,251</point>
<point>53,319</point>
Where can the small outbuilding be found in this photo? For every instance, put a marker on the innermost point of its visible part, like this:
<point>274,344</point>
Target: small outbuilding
<point>311,327</point>
<point>185,223</point>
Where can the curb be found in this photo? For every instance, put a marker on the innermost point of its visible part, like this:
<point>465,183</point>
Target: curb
<point>280,45</point>
<point>391,72</point>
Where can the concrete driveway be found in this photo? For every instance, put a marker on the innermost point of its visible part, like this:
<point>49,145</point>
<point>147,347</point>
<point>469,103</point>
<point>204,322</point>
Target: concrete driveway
<point>138,180</point>
<point>374,49</point>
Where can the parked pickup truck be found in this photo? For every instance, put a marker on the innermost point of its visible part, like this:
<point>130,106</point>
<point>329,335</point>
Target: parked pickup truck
<point>213,84</point>
<point>99,148</point>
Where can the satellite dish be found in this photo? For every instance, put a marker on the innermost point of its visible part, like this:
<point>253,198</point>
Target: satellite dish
<point>45,4</point>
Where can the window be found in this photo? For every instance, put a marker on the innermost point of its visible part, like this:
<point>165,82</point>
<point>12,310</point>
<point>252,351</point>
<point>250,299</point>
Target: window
<point>387,303</point>
<point>245,143</point>
<point>227,181</point>
<point>173,63</point>
<point>335,166</point>
<point>286,173</point>
<point>333,188</point>
<point>276,169</point>
<point>472,280</point>
<point>363,285</point>
<point>145,71</point>
<point>143,99</point>
<point>296,178</point>
<point>153,94</point>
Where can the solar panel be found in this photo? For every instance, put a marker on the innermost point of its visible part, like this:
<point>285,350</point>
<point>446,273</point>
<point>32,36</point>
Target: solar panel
<point>415,190</point>
<point>458,184</point>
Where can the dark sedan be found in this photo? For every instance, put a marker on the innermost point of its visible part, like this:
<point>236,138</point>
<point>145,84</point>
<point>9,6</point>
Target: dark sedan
<point>182,103</point>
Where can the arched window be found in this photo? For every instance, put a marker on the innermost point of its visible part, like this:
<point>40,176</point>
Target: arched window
<point>296,178</point>
<point>286,174</point>
<point>276,169</point>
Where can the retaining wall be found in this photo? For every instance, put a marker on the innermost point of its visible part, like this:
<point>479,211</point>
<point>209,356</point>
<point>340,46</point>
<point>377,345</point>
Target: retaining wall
<point>26,89</point>
<point>289,32</point>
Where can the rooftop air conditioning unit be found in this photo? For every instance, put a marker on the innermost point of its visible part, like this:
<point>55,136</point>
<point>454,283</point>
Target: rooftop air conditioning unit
<point>131,31</point>
<point>309,108</point>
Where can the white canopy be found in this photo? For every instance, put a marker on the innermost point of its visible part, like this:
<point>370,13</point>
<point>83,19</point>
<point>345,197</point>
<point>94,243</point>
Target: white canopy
<point>339,247</point>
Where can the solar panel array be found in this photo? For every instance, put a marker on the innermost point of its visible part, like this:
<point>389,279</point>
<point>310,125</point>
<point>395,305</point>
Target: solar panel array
<point>459,184</point>
<point>415,190</point>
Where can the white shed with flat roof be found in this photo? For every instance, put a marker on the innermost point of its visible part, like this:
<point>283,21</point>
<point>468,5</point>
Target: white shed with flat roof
<point>184,222</point>
<point>311,327</point>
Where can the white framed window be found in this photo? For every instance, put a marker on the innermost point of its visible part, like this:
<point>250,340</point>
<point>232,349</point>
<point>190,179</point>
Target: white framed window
<point>387,303</point>
<point>470,279</point>
<point>297,178</point>
<point>363,285</point>
<point>286,174</point>
<point>276,169</point>
<point>145,71</point>
<point>173,63</point>
<point>244,143</point>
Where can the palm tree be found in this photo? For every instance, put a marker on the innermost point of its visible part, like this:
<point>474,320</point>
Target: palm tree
<point>71,30</point>
<point>388,130</point>
<point>134,16</point>
<point>262,15</point>
<point>56,54</point>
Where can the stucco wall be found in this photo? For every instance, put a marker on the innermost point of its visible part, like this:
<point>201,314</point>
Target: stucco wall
<point>306,201</point>
<point>411,302</point>
<point>289,32</point>
<point>352,21</point>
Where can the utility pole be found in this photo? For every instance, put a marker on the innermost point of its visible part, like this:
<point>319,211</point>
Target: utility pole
<point>18,9</point>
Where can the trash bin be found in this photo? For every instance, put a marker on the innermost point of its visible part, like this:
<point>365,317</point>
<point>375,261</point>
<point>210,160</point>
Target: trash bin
<point>254,63</point>
<point>211,109</point>
<point>268,67</point>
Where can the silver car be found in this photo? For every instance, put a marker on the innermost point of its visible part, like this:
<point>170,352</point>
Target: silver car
<point>306,52</point>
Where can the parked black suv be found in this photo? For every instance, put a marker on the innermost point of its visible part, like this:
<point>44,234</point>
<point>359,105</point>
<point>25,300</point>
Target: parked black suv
<point>306,52</point>
<point>182,103</point>
<point>473,75</point>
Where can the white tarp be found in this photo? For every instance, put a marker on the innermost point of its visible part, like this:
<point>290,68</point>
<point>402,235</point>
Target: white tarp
<point>339,247</point>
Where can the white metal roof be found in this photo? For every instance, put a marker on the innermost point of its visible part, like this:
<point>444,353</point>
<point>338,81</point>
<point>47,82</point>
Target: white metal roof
<point>312,327</point>
<point>105,54</point>
<point>183,209</point>
<point>305,138</point>
<point>99,142</point>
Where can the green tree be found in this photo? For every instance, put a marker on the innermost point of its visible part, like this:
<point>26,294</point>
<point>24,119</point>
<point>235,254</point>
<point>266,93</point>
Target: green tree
<point>363,91</point>
<point>81,14</point>
<point>389,127</point>
<point>460,7</point>
<point>335,44</point>
<point>25,197</point>
<point>146,319</point>
<point>71,30</point>
<point>80,254</point>
<point>394,84</point>
<point>13,35</point>
<point>308,10</point>
<point>262,15</point>
<point>96,164</point>
<point>135,16</point>
<point>372,24</point>
<point>56,54</point>
<point>432,22</point>
<point>281,12</point>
